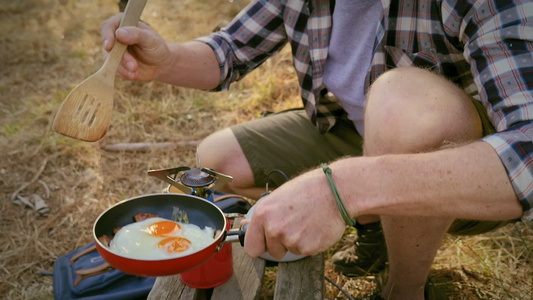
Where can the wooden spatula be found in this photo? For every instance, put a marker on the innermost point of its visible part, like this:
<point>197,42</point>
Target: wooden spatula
<point>86,112</point>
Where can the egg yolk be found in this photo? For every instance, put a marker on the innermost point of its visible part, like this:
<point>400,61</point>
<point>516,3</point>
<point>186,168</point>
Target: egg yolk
<point>174,244</point>
<point>163,228</point>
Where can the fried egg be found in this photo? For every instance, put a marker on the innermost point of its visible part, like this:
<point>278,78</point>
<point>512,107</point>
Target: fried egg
<point>158,238</point>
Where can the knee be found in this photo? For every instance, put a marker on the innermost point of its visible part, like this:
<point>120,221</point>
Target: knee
<point>412,110</point>
<point>217,151</point>
<point>222,152</point>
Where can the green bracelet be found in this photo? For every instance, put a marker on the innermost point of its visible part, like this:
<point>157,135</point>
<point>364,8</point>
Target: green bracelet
<point>342,208</point>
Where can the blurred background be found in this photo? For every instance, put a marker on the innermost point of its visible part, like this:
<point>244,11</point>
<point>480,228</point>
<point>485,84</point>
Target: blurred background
<point>53,187</point>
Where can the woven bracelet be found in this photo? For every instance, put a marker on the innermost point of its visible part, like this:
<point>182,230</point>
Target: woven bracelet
<point>340,204</point>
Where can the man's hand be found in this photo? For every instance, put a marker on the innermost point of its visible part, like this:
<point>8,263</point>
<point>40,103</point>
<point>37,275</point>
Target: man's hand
<point>146,53</point>
<point>301,216</point>
<point>192,64</point>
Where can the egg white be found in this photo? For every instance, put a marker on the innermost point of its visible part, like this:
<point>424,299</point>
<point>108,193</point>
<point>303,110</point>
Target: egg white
<point>133,240</point>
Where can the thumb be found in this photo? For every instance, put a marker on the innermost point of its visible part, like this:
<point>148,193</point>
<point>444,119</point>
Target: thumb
<point>144,38</point>
<point>127,35</point>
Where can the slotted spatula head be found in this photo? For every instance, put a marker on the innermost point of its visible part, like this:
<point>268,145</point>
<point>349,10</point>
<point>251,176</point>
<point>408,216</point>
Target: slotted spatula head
<point>86,112</point>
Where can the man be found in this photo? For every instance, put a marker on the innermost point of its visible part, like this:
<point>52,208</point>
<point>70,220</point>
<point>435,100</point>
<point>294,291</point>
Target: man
<point>447,122</point>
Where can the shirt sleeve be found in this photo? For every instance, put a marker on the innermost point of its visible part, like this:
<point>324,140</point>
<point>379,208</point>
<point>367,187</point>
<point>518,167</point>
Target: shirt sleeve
<point>498,44</point>
<point>253,36</point>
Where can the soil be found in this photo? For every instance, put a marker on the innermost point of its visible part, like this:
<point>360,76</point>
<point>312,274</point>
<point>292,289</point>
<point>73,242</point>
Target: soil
<point>47,47</point>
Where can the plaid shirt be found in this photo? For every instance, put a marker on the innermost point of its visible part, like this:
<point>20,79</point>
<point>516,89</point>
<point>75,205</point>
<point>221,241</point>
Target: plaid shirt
<point>483,46</point>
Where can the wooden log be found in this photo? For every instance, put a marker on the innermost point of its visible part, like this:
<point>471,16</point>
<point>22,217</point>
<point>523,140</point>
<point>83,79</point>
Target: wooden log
<point>244,284</point>
<point>171,287</point>
<point>247,279</point>
<point>302,279</point>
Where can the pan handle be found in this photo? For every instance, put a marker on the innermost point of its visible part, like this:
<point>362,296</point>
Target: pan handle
<point>236,235</point>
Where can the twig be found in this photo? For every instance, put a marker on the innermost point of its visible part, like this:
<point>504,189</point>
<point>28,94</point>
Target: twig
<point>35,178</point>
<point>142,147</point>
<point>53,230</point>
<point>340,288</point>
<point>46,189</point>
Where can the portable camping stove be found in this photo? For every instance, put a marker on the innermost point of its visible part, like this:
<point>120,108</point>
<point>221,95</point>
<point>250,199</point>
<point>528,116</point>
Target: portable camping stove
<point>197,181</point>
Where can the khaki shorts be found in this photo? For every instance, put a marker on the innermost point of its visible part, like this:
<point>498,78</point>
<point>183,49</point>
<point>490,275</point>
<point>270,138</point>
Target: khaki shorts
<point>289,142</point>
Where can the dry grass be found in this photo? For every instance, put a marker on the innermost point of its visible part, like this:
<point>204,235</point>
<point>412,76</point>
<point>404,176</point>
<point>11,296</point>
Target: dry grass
<point>47,47</point>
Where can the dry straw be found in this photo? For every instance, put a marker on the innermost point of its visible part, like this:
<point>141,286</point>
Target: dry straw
<point>47,47</point>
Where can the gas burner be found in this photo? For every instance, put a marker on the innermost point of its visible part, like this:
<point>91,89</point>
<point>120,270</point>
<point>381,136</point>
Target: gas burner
<point>196,178</point>
<point>196,181</point>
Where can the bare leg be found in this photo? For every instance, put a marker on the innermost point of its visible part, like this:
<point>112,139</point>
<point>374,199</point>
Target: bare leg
<point>221,152</point>
<point>409,111</point>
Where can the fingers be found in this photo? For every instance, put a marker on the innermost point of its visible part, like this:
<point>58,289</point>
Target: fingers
<point>292,246</point>
<point>107,31</point>
<point>254,241</point>
<point>128,35</point>
<point>275,248</point>
<point>128,68</point>
<point>258,240</point>
<point>109,28</point>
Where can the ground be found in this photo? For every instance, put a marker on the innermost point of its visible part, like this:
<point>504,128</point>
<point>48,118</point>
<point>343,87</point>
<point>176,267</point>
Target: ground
<point>47,47</point>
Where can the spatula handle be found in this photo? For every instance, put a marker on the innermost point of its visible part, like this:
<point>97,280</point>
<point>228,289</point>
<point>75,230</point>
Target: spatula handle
<point>131,16</point>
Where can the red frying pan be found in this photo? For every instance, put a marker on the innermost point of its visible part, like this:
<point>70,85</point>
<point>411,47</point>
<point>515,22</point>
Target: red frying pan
<point>201,212</point>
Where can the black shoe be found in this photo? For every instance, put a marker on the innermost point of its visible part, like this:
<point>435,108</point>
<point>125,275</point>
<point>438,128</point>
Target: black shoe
<point>368,254</point>
<point>432,292</point>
